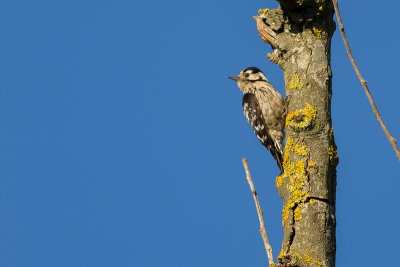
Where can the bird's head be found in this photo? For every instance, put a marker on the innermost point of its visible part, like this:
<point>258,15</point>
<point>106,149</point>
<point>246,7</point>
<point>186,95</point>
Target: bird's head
<point>249,75</point>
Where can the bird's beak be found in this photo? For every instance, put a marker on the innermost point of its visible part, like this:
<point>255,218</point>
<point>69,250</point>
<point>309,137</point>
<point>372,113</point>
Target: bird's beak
<point>234,78</point>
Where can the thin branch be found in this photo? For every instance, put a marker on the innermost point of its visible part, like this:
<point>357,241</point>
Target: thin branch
<point>263,232</point>
<point>364,82</point>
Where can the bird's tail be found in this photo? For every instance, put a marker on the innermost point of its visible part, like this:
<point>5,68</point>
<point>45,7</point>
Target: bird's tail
<point>278,156</point>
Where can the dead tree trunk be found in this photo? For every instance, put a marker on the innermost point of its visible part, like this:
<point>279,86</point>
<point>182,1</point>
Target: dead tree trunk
<point>300,33</point>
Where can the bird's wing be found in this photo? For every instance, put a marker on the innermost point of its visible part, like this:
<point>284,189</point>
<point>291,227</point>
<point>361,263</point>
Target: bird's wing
<point>253,114</point>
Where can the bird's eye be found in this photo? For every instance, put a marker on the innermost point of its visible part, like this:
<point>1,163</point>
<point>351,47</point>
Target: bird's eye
<point>246,74</point>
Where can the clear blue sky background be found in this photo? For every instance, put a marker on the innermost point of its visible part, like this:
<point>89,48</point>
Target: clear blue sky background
<point>121,137</point>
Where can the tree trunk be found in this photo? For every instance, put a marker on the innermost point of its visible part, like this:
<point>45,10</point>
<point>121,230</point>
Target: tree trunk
<point>300,33</point>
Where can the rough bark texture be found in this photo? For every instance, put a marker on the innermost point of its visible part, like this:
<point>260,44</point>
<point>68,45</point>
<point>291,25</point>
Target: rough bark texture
<point>300,33</point>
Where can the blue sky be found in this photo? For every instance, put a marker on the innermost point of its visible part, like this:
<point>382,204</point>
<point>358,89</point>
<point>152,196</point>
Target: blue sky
<point>122,138</point>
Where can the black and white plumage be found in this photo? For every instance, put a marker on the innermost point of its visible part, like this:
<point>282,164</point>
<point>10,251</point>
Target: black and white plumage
<point>263,107</point>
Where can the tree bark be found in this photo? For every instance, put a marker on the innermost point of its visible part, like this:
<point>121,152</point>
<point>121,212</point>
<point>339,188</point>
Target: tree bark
<point>300,33</point>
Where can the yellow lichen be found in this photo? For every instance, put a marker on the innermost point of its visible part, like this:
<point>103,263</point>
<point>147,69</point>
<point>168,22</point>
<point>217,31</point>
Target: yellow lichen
<point>286,162</point>
<point>318,32</point>
<point>290,116</point>
<point>295,37</point>
<point>333,155</point>
<point>279,181</point>
<point>285,214</point>
<point>262,11</point>
<point>300,150</point>
<point>281,253</point>
<point>312,163</point>
<point>321,4</point>
<point>309,111</point>
<point>297,174</point>
<point>312,201</point>
<point>300,167</point>
<point>309,114</point>
<point>289,145</point>
<point>297,148</point>
<point>309,86</point>
<point>295,82</point>
<point>332,150</point>
<point>309,258</point>
<point>297,212</point>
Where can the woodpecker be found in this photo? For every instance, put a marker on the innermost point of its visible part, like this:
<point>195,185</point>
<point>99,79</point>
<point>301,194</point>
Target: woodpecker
<point>263,107</point>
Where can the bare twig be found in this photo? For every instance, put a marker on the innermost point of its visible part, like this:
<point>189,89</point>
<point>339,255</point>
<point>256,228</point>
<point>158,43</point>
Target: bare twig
<point>364,82</point>
<point>263,232</point>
